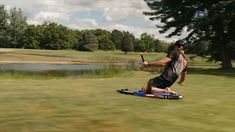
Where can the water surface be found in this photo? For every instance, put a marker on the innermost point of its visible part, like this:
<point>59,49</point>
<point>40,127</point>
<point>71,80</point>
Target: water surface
<point>59,70</point>
<point>48,67</point>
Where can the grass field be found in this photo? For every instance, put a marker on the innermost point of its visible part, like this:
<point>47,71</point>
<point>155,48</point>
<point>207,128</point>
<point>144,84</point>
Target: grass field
<point>92,105</point>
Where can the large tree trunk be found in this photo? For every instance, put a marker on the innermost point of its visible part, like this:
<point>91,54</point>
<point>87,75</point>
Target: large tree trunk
<point>225,50</point>
<point>226,63</point>
<point>226,57</point>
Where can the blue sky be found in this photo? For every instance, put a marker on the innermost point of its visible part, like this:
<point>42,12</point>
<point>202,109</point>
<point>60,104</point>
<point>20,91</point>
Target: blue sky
<point>124,15</point>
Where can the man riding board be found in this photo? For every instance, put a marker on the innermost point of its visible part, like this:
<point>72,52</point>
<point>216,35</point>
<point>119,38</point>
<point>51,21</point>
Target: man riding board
<point>176,65</point>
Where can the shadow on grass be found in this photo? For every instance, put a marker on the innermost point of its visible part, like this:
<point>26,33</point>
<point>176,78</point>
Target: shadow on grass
<point>209,71</point>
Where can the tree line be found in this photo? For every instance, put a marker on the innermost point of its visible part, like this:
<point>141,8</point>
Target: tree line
<point>15,32</point>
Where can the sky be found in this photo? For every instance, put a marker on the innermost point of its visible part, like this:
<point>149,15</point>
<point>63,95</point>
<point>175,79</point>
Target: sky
<point>124,15</point>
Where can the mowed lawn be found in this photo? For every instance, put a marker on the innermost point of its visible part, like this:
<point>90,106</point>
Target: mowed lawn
<point>92,105</point>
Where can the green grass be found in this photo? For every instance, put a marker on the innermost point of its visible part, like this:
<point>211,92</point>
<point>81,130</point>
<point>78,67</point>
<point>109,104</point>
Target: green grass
<point>90,104</point>
<point>93,105</point>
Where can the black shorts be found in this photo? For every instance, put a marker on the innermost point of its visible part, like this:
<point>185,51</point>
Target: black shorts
<point>160,82</point>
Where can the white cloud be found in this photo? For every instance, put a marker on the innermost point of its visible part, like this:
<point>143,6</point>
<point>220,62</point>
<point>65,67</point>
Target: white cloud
<point>120,11</point>
<point>84,24</point>
<point>115,14</point>
<point>113,9</point>
<point>51,16</point>
<point>87,23</point>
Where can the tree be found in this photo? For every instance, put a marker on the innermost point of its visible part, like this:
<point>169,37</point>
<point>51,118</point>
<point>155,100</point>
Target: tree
<point>104,39</point>
<point>211,21</point>
<point>160,46</point>
<point>116,37</point>
<point>127,42</point>
<point>89,41</point>
<point>105,43</point>
<point>148,41</point>
<point>4,37</point>
<point>139,45</point>
<point>79,38</point>
<point>17,27</point>
<point>56,36</point>
<point>31,37</point>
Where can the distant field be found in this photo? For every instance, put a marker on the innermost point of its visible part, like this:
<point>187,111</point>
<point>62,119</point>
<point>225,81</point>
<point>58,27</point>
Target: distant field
<point>90,104</point>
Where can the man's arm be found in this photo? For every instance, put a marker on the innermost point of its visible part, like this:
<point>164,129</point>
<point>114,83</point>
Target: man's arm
<point>182,77</point>
<point>158,63</point>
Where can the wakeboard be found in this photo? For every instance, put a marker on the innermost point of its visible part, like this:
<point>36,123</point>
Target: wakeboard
<point>158,95</point>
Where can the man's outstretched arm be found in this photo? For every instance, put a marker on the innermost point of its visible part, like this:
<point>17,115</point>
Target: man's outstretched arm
<point>158,63</point>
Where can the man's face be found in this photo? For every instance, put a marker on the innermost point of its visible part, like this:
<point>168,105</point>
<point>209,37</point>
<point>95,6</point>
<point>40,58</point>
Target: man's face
<point>180,48</point>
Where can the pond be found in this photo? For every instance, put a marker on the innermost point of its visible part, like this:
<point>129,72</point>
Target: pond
<point>60,70</point>
<point>28,67</point>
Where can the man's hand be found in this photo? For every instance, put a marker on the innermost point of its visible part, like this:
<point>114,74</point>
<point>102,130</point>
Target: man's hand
<point>180,83</point>
<point>183,74</point>
<point>145,64</point>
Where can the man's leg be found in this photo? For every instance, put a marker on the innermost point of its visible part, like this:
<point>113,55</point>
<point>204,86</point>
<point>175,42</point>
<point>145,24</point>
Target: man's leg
<point>154,89</point>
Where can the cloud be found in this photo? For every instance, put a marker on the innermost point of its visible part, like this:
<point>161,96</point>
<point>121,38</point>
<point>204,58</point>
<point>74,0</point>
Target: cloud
<point>117,14</point>
<point>132,8</point>
<point>113,10</point>
<point>51,16</point>
<point>87,23</point>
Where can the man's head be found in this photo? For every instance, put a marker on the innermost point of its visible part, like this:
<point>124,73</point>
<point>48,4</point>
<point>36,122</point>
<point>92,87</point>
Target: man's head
<point>180,44</point>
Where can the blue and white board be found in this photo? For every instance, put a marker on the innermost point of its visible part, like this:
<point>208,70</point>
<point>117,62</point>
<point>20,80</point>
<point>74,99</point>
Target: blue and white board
<point>153,95</point>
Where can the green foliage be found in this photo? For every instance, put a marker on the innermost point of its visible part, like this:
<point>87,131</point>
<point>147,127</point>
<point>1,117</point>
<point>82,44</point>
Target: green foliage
<point>206,21</point>
<point>31,38</point>
<point>200,48</point>
<point>147,43</point>
<point>104,40</point>
<point>56,36</point>
<point>116,37</point>
<point>139,46</point>
<point>127,42</point>
<point>17,27</point>
<point>105,43</point>
<point>160,46</point>
<point>78,39</point>
<point>4,37</point>
<point>89,41</point>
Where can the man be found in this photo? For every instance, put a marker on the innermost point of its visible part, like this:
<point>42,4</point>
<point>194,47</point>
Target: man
<point>176,65</point>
